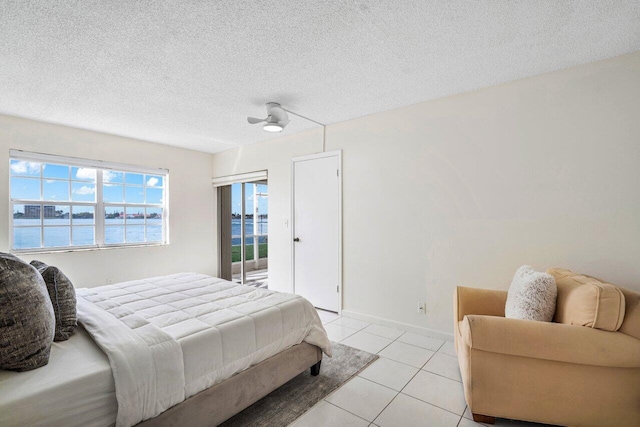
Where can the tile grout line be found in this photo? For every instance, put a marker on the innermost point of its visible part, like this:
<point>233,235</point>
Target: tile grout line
<point>394,339</point>
<point>440,375</point>
<point>387,405</point>
<point>396,396</point>
<point>419,369</point>
<point>416,346</point>
<point>428,403</point>
<point>339,407</point>
<point>382,336</point>
<point>413,397</point>
<point>406,364</point>
<point>435,406</point>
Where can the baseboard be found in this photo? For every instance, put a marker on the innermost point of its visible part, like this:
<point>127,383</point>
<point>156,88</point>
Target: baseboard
<point>398,325</point>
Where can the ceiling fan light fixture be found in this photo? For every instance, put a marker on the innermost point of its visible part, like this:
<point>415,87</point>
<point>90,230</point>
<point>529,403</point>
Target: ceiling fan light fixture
<point>272,127</point>
<point>276,120</point>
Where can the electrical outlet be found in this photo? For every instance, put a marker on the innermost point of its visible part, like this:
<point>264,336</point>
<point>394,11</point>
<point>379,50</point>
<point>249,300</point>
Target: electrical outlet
<point>422,307</point>
<point>109,281</point>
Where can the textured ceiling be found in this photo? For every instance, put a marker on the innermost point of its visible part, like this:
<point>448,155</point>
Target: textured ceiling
<point>187,73</point>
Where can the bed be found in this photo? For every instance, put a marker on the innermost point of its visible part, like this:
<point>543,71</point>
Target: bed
<point>185,349</point>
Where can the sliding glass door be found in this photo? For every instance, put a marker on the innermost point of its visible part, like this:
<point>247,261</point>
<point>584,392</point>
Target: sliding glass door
<point>244,232</point>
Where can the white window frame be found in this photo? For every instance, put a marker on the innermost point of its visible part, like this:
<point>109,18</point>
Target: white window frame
<point>99,205</point>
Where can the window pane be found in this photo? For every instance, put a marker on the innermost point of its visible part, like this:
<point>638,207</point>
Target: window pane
<point>154,181</point>
<point>55,171</point>
<point>83,192</point>
<point>135,215</point>
<point>26,215</point>
<point>112,193</point>
<point>112,176</point>
<point>134,178</point>
<point>133,194</point>
<point>55,190</point>
<point>29,213</point>
<point>114,215</point>
<point>56,215</point>
<point>56,236</point>
<point>83,174</point>
<point>83,215</point>
<point>135,233</point>
<point>154,233</point>
<point>83,236</point>
<point>154,196</point>
<point>24,168</point>
<point>25,188</point>
<point>154,216</point>
<point>114,234</point>
<point>26,237</point>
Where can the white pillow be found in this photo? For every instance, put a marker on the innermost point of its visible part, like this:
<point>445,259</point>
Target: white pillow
<point>531,296</point>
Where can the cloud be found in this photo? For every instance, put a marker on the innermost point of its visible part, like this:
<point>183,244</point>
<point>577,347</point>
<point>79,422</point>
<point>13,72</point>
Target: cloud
<point>84,190</point>
<point>22,167</point>
<point>108,176</point>
<point>86,173</point>
<point>152,182</point>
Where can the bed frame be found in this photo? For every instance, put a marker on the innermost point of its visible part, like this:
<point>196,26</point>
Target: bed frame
<point>216,404</point>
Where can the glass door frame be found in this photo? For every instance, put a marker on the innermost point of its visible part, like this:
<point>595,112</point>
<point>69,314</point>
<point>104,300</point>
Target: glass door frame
<point>224,204</point>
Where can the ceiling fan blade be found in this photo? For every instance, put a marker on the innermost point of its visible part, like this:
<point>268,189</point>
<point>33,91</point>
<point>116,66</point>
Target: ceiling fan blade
<point>253,120</point>
<point>277,118</point>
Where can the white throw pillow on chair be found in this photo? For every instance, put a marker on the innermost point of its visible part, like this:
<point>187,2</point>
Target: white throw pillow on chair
<point>532,295</point>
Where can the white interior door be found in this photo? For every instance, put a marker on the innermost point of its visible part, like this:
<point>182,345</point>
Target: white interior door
<point>316,229</point>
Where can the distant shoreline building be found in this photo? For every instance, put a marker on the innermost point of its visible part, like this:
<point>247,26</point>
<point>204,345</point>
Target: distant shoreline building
<point>33,211</point>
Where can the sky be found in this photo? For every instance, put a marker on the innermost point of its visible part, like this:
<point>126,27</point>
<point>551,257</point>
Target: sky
<point>118,186</point>
<point>236,197</point>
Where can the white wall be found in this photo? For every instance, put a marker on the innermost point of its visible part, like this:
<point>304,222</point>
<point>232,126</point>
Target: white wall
<point>192,215</point>
<point>465,189</point>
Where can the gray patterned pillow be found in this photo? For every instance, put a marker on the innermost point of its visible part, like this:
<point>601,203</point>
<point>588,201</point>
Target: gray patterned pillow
<point>63,298</point>
<point>27,323</point>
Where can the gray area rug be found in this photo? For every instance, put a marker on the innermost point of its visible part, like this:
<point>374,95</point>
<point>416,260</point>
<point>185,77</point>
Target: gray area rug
<point>283,406</point>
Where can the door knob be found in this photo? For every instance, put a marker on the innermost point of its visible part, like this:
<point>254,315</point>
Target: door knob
<point>296,239</point>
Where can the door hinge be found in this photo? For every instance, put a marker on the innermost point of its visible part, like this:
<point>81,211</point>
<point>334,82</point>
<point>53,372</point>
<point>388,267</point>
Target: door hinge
<point>337,288</point>
<point>337,172</point>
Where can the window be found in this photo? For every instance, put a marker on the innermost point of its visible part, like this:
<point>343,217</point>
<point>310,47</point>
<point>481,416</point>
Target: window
<point>60,203</point>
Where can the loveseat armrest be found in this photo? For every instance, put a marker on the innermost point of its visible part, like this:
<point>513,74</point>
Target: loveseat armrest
<point>550,341</point>
<point>478,301</point>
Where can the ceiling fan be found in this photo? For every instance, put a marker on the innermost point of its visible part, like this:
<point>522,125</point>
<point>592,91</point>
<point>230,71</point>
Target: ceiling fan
<point>277,118</point>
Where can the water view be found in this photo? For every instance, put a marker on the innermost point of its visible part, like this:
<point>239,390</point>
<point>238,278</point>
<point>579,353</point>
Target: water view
<point>60,232</point>
<point>236,230</point>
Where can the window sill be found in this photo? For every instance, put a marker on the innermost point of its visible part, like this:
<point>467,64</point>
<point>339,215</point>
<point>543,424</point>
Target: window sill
<point>88,249</point>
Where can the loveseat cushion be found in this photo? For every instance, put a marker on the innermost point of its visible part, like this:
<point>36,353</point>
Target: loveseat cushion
<point>631,323</point>
<point>63,298</point>
<point>27,323</point>
<point>587,301</point>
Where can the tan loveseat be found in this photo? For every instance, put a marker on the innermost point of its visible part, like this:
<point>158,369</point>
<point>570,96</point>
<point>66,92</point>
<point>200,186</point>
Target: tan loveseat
<point>552,372</point>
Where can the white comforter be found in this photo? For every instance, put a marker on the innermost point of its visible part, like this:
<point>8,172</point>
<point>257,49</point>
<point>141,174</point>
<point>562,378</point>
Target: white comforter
<point>168,338</point>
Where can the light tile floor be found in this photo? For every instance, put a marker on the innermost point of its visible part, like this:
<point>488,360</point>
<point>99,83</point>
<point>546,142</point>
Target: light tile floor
<point>415,382</point>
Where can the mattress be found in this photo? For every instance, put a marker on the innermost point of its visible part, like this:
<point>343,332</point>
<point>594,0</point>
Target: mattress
<point>76,384</point>
<point>147,345</point>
